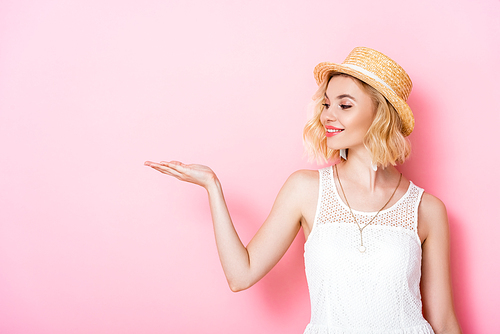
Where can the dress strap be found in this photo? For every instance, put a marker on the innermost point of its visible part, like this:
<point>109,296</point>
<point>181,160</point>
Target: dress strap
<point>324,192</point>
<point>326,196</point>
<point>416,204</point>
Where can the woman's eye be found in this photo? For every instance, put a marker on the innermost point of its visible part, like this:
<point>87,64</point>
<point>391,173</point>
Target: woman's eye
<point>326,105</point>
<point>344,106</point>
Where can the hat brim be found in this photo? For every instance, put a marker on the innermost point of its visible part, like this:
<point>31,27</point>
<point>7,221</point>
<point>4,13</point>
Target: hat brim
<point>324,70</point>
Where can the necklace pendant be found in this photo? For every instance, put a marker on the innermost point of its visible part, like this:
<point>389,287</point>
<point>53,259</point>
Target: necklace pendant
<point>362,249</point>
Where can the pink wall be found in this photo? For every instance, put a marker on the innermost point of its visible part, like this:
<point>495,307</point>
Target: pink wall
<point>93,242</point>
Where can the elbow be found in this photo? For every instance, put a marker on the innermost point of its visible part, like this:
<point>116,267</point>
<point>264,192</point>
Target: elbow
<point>238,286</point>
<point>235,288</point>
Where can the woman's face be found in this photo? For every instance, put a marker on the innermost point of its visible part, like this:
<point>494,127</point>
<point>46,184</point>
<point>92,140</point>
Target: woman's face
<point>348,113</point>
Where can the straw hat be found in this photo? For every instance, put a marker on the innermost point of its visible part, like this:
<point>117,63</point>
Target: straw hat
<point>380,72</point>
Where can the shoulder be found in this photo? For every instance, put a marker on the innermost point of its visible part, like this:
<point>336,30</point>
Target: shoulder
<point>431,205</point>
<point>302,183</point>
<point>304,176</point>
<point>432,216</point>
<point>303,189</point>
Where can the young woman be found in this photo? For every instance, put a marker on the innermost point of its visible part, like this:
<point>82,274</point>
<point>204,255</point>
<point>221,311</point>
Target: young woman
<point>376,244</point>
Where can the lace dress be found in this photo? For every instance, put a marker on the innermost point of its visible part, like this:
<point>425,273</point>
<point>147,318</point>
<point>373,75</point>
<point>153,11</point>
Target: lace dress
<point>377,291</point>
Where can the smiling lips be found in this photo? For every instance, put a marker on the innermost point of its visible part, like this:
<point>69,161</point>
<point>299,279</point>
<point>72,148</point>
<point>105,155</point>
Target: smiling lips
<point>332,131</point>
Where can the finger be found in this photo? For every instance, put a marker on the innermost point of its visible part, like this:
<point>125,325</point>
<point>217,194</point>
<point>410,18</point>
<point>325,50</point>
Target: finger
<point>160,167</point>
<point>175,165</point>
<point>152,164</point>
<point>174,170</point>
<point>166,171</point>
<point>172,163</point>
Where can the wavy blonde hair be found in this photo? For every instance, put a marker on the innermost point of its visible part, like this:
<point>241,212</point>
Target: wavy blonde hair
<point>384,139</point>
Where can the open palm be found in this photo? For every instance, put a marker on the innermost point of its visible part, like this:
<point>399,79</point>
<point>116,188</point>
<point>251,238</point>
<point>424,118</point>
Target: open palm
<point>193,173</point>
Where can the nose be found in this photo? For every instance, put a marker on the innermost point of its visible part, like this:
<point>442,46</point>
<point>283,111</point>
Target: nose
<point>328,114</point>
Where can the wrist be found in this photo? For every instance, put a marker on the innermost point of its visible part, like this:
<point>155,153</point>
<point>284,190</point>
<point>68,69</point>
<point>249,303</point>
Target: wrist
<point>213,186</point>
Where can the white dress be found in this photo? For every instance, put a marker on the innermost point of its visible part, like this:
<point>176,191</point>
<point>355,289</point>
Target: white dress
<point>377,291</point>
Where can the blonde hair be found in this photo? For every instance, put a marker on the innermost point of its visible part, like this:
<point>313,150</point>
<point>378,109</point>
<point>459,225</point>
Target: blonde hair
<point>384,139</point>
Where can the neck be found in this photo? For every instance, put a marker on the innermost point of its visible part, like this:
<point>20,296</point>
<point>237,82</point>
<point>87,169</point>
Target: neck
<point>358,168</point>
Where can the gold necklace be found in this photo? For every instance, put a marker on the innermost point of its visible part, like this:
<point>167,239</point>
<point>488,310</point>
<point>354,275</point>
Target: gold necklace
<point>362,248</point>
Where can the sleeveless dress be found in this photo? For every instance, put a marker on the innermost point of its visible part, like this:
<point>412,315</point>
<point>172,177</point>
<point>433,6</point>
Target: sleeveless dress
<point>377,291</point>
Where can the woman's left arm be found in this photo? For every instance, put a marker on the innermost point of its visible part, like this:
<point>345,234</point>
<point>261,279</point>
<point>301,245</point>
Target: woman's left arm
<point>435,284</point>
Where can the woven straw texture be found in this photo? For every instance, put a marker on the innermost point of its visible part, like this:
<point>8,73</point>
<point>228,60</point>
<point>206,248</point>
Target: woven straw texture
<point>382,67</point>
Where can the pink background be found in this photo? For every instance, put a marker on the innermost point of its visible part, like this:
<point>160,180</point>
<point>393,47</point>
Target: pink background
<point>93,242</point>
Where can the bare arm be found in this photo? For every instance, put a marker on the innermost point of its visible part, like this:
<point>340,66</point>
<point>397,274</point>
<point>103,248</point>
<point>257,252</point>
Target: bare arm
<point>244,266</point>
<point>436,281</point>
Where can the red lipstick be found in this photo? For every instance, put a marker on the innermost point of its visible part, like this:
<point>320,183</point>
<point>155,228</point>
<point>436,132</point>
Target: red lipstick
<point>332,131</point>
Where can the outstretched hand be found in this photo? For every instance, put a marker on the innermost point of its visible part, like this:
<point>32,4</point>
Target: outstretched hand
<point>197,174</point>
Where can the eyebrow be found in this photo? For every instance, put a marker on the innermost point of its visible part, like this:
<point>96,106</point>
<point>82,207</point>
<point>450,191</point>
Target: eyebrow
<point>341,96</point>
